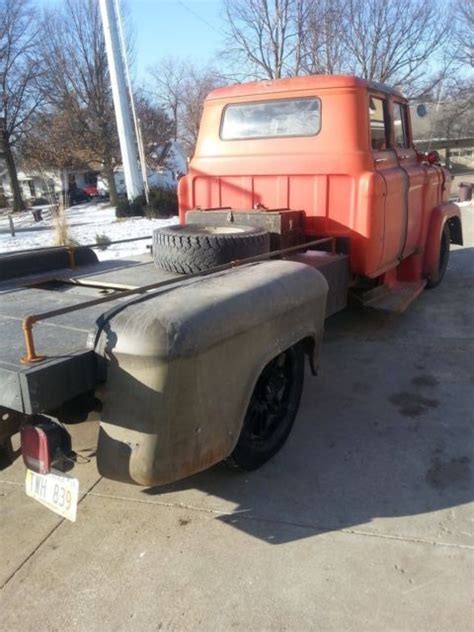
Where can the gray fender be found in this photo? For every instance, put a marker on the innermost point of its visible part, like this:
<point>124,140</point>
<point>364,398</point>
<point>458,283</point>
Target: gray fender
<point>181,366</point>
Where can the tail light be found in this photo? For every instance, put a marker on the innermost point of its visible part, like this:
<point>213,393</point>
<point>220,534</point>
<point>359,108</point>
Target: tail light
<point>432,157</point>
<point>42,444</point>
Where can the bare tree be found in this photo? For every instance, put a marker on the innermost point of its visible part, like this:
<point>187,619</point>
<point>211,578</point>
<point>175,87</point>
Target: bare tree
<point>156,126</point>
<point>180,87</point>
<point>395,41</point>
<point>50,145</point>
<point>77,82</point>
<point>169,77</point>
<point>20,70</point>
<point>463,32</point>
<point>452,102</point>
<point>54,142</point>
<point>267,35</point>
<point>199,83</point>
<point>323,48</point>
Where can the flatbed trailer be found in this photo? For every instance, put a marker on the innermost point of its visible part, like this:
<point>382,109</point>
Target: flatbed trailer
<point>68,367</point>
<point>49,322</point>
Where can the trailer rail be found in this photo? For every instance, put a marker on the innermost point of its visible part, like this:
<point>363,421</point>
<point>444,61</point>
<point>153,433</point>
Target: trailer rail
<point>31,356</point>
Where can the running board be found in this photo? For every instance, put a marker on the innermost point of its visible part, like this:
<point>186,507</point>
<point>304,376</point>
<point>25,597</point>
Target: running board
<point>393,299</point>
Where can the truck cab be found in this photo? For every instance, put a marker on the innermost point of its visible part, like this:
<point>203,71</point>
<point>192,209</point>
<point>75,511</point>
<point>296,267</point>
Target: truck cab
<point>339,148</point>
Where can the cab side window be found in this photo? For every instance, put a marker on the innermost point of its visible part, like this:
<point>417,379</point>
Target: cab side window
<point>400,125</point>
<point>379,128</point>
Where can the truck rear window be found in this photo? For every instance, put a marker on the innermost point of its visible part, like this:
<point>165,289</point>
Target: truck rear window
<point>271,119</point>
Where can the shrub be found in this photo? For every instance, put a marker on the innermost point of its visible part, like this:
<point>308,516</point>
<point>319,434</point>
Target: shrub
<point>62,235</point>
<point>102,241</point>
<point>134,208</point>
<point>137,206</point>
<point>3,201</point>
<point>122,209</point>
<point>163,203</point>
<point>41,201</point>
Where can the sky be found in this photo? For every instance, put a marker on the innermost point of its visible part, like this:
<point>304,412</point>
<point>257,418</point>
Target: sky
<point>187,28</point>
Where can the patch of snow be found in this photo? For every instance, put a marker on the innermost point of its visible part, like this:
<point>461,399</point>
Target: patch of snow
<point>85,221</point>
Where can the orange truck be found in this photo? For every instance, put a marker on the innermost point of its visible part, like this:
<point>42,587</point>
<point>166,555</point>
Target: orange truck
<point>302,192</point>
<point>339,149</point>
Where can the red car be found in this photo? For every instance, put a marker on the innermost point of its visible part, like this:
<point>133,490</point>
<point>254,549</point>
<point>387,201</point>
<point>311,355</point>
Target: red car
<point>90,190</point>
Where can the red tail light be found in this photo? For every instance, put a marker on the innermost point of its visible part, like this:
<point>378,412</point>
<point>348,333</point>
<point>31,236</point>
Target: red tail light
<point>432,157</point>
<point>42,444</point>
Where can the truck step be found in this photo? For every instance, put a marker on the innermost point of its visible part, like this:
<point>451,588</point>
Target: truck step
<point>394,299</point>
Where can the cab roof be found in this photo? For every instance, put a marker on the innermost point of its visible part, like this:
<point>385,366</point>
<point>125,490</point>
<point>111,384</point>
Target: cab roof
<point>293,84</point>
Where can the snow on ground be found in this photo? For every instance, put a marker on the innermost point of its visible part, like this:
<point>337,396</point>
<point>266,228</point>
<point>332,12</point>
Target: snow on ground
<point>85,221</point>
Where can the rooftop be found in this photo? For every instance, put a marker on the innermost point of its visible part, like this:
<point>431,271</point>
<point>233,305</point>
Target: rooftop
<point>318,82</point>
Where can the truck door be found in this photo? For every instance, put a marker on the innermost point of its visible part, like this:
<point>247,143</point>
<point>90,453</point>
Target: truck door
<point>415,174</point>
<point>395,182</point>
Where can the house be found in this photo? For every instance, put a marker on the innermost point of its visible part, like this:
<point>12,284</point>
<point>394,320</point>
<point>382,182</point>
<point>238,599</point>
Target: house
<point>169,162</point>
<point>36,184</point>
<point>169,165</point>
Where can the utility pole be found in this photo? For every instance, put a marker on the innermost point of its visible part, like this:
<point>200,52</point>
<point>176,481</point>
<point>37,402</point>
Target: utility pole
<point>128,142</point>
<point>136,121</point>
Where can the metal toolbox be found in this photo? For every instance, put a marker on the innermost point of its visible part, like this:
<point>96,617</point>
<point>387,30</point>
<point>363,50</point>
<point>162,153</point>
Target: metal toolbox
<point>286,227</point>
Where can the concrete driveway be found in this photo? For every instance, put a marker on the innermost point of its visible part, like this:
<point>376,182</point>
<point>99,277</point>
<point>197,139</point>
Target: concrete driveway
<point>362,522</point>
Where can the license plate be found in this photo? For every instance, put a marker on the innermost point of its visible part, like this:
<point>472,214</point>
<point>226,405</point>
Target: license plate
<point>58,493</point>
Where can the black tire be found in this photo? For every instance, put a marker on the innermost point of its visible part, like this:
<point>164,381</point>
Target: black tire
<point>195,248</point>
<point>444,245</point>
<point>271,412</point>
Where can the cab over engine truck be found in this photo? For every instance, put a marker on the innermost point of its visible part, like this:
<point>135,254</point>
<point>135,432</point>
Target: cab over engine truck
<point>301,192</point>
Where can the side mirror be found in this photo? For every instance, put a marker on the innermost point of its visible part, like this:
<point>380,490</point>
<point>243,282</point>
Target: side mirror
<point>421,110</point>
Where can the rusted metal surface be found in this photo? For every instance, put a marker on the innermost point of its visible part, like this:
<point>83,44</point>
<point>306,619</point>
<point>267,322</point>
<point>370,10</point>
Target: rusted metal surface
<point>285,226</point>
<point>72,259</point>
<point>32,357</point>
<point>99,285</point>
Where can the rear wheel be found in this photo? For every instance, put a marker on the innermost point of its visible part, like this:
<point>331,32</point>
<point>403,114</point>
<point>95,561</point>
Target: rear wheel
<point>443,259</point>
<point>271,412</point>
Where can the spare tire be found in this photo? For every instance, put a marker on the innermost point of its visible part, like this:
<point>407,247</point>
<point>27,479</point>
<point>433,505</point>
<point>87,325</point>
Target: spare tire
<point>195,247</point>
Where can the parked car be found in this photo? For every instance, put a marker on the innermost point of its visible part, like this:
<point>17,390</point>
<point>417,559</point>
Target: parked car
<point>77,195</point>
<point>91,190</point>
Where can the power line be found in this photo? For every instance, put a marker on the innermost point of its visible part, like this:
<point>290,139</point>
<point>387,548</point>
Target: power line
<point>199,17</point>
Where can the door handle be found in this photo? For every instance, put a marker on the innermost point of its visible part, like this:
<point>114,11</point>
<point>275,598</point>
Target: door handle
<point>380,160</point>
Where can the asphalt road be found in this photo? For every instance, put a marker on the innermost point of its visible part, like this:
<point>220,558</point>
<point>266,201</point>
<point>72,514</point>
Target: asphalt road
<point>362,522</point>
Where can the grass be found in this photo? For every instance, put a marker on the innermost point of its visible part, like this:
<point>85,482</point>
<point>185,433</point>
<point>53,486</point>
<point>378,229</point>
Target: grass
<point>62,236</point>
<point>102,241</point>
